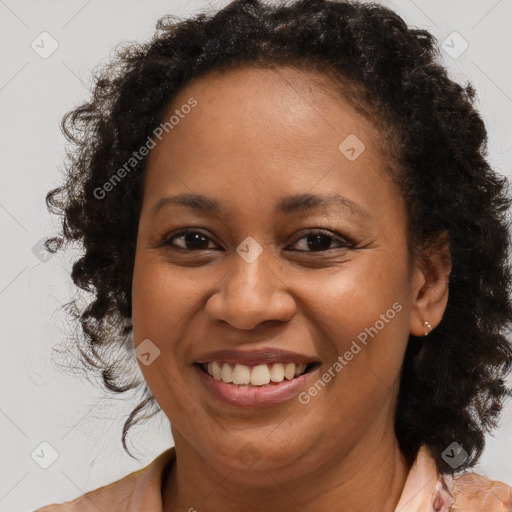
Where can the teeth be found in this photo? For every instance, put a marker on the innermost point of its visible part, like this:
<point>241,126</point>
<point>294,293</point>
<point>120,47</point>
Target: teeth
<point>277,372</point>
<point>241,374</point>
<point>226,374</point>
<point>289,371</point>
<point>300,369</point>
<point>216,370</point>
<point>259,375</point>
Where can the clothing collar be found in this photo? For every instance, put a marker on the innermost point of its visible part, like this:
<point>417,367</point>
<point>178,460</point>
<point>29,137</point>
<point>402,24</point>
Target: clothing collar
<point>425,489</point>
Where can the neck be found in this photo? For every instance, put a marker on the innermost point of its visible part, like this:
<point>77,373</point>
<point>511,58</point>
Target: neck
<point>370,477</point>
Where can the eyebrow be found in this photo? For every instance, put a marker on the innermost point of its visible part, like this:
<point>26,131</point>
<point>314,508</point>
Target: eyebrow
<point>289,204</point>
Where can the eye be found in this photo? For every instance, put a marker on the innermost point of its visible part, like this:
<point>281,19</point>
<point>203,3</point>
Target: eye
<point>191,240</point>
<point>319,241</point>
<point>316,241</point>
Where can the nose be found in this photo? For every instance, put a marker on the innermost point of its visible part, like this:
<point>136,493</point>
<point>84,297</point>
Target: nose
<point>250,294</point>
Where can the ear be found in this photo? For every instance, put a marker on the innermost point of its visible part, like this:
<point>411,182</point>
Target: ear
<point>430,284</point>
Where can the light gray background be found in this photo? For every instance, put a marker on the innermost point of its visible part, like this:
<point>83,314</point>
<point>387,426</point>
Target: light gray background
<point>39,404</point>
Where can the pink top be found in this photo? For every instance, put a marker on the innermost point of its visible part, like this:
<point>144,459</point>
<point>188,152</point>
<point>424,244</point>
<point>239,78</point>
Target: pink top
<point>425,490</point>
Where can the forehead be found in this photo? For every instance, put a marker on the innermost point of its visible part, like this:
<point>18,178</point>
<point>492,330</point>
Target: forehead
<point>294,101</point>
<point>258,131</point>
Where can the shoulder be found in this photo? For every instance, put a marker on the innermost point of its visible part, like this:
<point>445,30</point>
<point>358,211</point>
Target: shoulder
<point>475,493</point>
<point>126,494</point>
<point>427,489</point>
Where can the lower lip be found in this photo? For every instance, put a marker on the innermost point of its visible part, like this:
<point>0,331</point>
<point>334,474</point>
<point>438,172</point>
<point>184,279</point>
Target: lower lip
<point>263,396</point>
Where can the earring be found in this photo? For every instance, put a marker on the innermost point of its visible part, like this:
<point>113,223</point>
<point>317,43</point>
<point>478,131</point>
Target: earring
<point>425,323</point>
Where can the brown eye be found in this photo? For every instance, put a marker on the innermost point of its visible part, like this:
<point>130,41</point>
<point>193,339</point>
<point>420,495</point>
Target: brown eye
<point>319,241</point>
<point>316,241</point>
<point>191,240</point>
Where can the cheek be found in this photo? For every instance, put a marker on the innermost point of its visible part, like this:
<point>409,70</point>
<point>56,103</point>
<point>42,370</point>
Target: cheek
<point>162,297</point>
<point>167,302</point>
<point>360,314</point>
<point>360,321</point>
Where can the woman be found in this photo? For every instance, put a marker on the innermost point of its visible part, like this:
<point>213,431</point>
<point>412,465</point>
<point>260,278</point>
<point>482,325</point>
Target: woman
<point>357,374</point>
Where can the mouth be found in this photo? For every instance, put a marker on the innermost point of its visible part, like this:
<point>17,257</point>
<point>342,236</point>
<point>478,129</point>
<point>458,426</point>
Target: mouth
<point>256,375</point>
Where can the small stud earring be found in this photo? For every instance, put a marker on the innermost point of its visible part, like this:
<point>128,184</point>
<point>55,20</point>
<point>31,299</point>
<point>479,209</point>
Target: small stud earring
<point>426,324</point>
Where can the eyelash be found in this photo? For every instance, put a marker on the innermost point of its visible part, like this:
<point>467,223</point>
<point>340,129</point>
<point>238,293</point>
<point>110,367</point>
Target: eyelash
<point>344,243</point>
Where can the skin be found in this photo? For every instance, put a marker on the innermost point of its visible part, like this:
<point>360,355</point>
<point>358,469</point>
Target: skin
<point>256,136</point>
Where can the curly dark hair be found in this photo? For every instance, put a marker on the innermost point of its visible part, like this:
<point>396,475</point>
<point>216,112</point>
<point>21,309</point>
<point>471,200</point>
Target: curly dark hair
<point>452,383</point>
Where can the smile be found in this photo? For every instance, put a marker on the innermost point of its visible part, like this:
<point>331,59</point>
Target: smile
<point>255,375</point>
<point>256,385</point>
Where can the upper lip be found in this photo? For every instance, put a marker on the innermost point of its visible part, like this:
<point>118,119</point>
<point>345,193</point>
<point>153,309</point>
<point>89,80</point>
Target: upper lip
<point>259,356</point>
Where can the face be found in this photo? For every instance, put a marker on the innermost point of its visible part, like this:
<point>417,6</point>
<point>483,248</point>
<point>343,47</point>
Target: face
<point>304,260</point>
